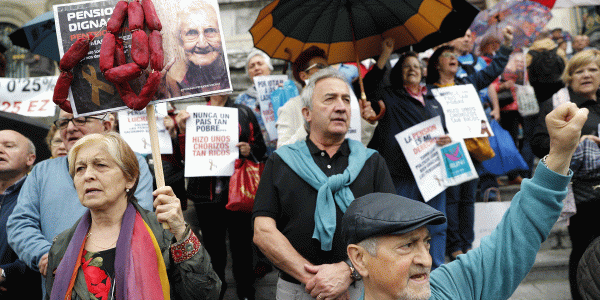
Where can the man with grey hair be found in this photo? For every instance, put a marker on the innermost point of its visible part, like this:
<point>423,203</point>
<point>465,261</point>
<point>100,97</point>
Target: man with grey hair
<point>305,190</point>
<point>17,155</point>
<point>388,241</point>
<point>204,68</point>
<point>48,203</point>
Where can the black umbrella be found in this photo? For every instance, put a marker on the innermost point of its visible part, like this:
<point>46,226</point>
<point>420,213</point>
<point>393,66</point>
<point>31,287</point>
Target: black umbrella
<point>39,36</point>
<point>351,30</point>
<point>33,129</point>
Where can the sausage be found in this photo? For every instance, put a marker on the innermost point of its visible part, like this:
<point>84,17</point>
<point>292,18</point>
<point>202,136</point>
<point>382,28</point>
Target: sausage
<point>139,48</point>
<point>107,52</point>
<point>135,16</point>
<point>152,20</point>
<point>151,86</point>
<point>157,55</point>
<point>75,54</point>
<point>115,22</point>
<point>123,73</point>
<point>120,58</point>
<point>61,91</point>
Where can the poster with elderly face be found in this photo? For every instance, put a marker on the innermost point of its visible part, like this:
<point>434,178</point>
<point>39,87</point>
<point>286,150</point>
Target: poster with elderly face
<point>192,40</point>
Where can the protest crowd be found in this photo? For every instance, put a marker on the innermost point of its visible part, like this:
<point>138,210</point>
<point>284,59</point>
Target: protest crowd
<point>333,191</point>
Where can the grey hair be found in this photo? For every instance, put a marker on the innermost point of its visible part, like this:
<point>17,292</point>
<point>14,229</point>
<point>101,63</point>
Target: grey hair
<point>30,146</point>
<point>257,52</point>
<point>309,89</point>
<point>370,245</point>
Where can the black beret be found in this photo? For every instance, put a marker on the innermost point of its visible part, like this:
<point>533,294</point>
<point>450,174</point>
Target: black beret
<point>380,214</point>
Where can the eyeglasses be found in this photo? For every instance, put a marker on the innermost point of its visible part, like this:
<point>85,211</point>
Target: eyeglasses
<point>449,55</point>
<point>56,142</point>
<point>64,122</point>
<point>317,65</point>
<point>193,34</point>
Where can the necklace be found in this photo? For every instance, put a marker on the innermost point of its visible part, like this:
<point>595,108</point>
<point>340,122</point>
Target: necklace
<point>102,248</point>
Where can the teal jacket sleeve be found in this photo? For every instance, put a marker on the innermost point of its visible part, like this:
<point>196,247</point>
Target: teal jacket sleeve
<point>497,267</point>
<point>145,187</point>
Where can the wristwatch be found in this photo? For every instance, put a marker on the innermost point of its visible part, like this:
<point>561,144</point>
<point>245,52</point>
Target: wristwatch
<point>353,273</point>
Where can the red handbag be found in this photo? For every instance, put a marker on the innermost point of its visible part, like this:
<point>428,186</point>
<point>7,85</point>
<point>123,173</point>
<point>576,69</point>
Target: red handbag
<point>243,185</point>
<point>244,181</point>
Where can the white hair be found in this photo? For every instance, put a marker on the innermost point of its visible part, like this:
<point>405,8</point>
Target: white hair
<point>257,52</point>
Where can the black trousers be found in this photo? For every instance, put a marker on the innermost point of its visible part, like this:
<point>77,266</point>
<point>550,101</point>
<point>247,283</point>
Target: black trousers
<point>583,229</point>
<point>215,222</point>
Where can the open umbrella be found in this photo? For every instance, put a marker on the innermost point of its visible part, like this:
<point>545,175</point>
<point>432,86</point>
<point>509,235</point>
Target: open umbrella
<point>528,18</point>
<point>351,30</point>
<point>33,129</point>
<point>39,36</point>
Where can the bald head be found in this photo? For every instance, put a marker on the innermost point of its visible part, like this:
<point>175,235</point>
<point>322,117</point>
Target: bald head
<point>17,155</point>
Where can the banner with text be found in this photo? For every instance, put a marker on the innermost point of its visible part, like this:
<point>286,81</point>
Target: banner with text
<point>28,96</point>
<point>210,137</point>
<point>133,127</point>
<point>465,117</point>
<point>457,166</point>
<point>421,152</point>
<point>265,85</point>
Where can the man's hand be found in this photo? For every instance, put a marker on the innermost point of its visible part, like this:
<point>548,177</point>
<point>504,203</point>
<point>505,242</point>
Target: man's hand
<point>507,32</point>
<point>181,119</point>
<point>170,126</point>
<point>564,125</point>
<point>329,282</point>
<point>43,264</point>
<point>443,140</point>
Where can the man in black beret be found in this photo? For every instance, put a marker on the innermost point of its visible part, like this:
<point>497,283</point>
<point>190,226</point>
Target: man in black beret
<point>388,242</point>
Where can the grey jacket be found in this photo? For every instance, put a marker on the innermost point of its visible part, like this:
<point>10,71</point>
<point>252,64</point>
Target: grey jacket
<point>191,279</point>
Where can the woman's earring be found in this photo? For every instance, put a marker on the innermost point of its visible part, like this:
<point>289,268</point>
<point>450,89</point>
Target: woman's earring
<point>127,190</point>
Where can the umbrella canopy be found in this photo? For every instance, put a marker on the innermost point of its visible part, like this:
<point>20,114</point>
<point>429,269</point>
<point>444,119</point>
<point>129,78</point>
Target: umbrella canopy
<point>33,129</point>
<point>351,30</point>
<point>39,36</point>
<point>527,17</point>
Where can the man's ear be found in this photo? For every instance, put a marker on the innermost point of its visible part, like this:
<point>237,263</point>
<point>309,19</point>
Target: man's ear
<point>107,125</point>
<point>30,160</point>
<point>303,75</point>
<point>358,256</point>
<point>306,114</point>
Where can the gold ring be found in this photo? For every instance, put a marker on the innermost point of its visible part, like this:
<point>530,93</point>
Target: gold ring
<point>319,297</point>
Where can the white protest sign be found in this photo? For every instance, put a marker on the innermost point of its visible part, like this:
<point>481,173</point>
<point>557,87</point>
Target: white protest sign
<point>457,164</point>
<point>465,117</point>
<point>210,137</point>
<point>28,96</point>
<point>265,85</point>
<point>421,152</point>
<point>354,130</point>
<point>133,127</point>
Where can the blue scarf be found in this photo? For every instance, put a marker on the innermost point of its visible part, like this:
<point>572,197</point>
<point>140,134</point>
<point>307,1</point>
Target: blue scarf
<point>298,158</point>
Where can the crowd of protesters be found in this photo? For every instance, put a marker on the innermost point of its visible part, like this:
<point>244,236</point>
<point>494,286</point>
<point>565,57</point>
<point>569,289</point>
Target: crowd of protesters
<point>337,218</point>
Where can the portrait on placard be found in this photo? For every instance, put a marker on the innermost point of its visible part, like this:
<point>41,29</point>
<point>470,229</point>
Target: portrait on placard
<point>192,41</point>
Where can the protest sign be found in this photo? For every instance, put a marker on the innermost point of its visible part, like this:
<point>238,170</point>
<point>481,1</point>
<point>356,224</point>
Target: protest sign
<point>264,86</point>
<point>465,117</point>
<point>133,127</point>
<point>210,137</point>
<point>420,149</point>
<point>457,164</point>
<point>188,77</point>
<point>28,96</point>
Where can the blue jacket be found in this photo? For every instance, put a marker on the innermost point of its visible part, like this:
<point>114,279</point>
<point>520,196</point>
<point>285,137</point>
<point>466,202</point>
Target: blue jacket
<point>21,281</point>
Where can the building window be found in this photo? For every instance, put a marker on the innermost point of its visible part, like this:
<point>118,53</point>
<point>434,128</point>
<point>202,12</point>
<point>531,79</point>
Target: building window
<point>14,55</point>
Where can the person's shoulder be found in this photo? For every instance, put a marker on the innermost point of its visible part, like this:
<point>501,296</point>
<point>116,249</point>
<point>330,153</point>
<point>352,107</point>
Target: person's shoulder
<point>50,166</point>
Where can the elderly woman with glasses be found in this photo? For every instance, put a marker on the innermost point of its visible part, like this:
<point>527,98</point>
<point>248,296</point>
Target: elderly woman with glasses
<point>460,200</point>
<point>55,143</point>
<point>119,250</point>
